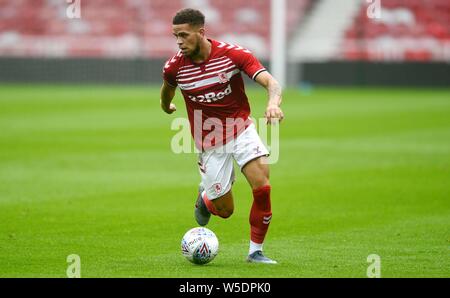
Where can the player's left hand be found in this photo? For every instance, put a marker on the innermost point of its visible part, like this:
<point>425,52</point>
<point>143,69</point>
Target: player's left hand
<point>273,114</point>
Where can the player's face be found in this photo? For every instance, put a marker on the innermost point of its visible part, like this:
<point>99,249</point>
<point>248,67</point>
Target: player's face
<point>188,38</point>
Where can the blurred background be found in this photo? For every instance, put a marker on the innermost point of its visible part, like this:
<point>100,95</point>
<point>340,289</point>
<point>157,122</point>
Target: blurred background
<point>330,42</point>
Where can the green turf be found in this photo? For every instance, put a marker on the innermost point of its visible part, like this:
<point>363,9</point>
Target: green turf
<point>88,170</point>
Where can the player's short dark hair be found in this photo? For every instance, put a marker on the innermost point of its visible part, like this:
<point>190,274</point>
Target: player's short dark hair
<point>189,16</point>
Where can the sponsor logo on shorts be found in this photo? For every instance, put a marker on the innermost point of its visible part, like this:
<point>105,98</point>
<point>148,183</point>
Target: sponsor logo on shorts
<point>202,167</point>
<point>257,150</point>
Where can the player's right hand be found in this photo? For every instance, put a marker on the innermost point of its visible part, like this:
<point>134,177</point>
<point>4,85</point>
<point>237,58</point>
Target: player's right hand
<point>169,110</point>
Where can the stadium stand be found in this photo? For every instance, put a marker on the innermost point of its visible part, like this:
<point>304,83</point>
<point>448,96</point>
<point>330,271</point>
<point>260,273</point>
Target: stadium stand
<point>411,30</point>
<point>130,28</point>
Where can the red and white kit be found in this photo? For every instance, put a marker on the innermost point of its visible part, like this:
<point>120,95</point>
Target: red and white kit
<point>215,99</point>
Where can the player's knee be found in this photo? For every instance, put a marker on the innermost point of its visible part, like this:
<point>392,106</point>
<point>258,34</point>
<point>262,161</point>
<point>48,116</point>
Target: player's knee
<point>258,183</point>
<point>261,178</point>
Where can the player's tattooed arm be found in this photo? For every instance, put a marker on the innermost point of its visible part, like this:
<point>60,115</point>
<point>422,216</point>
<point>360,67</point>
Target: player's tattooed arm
<point>273,110</point>
<point>274,89</point>
<point>167,94</point>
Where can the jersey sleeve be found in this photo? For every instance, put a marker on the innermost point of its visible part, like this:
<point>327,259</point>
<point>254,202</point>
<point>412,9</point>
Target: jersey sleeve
<point>169,73</point>
<point>248,63</point>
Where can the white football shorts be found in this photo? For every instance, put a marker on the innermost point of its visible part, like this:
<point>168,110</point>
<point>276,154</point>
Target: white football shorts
<point>216,165</point>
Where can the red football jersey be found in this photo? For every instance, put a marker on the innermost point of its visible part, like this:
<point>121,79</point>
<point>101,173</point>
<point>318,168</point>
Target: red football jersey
<point>214,91</point>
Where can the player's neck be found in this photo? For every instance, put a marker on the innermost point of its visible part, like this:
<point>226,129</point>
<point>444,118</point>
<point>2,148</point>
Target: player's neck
<point>204,53</point>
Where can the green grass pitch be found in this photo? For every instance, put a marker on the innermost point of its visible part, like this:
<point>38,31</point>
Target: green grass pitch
<point>88,170</point>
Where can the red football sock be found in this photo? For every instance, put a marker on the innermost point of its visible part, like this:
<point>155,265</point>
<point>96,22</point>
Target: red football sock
<point>209,204</point>
<point>260,214</point>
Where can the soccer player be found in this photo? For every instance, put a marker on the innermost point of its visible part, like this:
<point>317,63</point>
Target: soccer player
<point>208,72</point>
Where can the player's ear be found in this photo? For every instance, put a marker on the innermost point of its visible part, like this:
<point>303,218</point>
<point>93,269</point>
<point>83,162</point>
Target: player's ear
<point>201,31</point>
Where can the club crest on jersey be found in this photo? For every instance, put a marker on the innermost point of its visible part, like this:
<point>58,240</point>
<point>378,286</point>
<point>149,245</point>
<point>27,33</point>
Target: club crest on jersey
<point>223,78</point>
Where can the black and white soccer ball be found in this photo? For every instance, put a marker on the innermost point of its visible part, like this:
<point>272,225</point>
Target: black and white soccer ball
<point>200,245</point>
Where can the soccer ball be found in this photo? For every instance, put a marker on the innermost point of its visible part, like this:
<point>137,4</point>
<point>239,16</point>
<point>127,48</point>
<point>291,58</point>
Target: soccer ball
<point>200,245</point>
